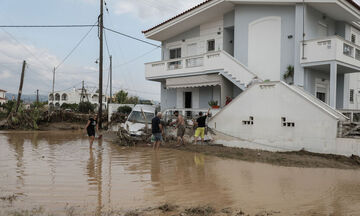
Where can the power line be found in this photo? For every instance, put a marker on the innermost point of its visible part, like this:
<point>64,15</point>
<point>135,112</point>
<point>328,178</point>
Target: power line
<point>31,53</point>
<point>76,46</point>
<point>136,58</point>
<point>129,36</point>
<point>44,26</point>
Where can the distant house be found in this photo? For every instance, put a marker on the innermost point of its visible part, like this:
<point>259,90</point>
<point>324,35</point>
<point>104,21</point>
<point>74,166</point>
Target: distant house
<point>2,96</point>
<point>73,96</point>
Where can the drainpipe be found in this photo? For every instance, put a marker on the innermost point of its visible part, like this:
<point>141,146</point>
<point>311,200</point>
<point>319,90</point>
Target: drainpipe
<point>303,40</point>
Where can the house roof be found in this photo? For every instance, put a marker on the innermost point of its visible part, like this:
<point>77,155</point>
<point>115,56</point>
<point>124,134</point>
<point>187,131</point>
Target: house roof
<point>353,3</point>
<point>2,90</point>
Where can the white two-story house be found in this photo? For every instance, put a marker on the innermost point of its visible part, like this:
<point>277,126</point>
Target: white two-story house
<point>216,49</point>
<point>73,96</point>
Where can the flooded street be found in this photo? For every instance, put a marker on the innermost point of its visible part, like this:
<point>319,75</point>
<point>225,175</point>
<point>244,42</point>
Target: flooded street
<point>59,169</point>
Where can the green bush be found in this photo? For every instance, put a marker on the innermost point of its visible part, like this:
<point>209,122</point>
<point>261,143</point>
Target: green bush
<point>73,107</point>
<point>9,106</point>
<point>124,109</point>
<point>86,107</point>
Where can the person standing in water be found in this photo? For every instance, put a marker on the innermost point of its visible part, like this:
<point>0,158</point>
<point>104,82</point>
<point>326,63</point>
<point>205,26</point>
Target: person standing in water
<point>90,128</point>
<point>201,124</point>
<point>180,125</point>
<point>157,130</point>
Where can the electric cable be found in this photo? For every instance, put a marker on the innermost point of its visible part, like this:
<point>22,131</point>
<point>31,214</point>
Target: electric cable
<point>76,46</point>
<point>132,37</point>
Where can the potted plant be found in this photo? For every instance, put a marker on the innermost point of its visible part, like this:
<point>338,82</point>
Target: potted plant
<point>289,74</point>
<point>214,104</point>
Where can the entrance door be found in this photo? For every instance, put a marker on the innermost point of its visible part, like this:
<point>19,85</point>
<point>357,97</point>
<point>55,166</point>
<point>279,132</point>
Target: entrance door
<point>188,98</point>
<point>188,102</point>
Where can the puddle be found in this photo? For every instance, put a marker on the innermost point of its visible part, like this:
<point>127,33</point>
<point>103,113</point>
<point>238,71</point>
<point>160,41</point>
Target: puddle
<point>58,169</point>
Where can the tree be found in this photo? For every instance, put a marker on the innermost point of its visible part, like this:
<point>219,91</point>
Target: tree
<point>121,97</point>
<point>73,107</point>
<point>132,100</point>
<point>124,110</point>
<point>86,107</point>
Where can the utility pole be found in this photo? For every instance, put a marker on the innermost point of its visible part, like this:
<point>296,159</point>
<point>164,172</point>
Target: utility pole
<point>37,96</point>
<point>21,86</point>
<point>101,26</point>
<point>53,89</point>
<point>110,78</point>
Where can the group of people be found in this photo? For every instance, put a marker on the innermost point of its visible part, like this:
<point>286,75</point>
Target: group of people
<point>158,128</point>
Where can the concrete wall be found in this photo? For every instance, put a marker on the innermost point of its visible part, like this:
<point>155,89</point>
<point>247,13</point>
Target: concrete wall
<point>245,14</point>
<point>168,97</point>
<point>314,18</point>
<point>314,128</point>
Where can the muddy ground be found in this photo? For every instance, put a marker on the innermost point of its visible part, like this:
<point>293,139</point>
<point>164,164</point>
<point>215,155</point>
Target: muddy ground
<point>289,159</point>
<point>162,210</point>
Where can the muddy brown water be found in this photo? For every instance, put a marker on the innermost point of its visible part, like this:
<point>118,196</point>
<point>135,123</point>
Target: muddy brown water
<point>59,169</point>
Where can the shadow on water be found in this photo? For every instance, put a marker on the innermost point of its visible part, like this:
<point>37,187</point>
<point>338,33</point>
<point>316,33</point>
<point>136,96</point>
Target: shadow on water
<point>54,169</point>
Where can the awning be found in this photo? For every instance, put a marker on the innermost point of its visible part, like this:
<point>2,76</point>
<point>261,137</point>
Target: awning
<point>194,81</point>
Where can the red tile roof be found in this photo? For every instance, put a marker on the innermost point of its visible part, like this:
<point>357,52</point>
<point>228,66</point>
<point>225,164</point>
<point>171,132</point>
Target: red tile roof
<point>187,11</point>
<point>206,1</point>
<point>354,4</point>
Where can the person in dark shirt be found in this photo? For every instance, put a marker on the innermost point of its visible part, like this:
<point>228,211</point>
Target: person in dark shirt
<point>157,129</point>
<point>201,123</point>
<point>90,128</point>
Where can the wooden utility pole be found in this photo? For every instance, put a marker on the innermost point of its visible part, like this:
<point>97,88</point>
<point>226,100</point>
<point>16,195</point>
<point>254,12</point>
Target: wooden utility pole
<point>37,96</point>
<point>53,89</point>
<point>21,86</point>
<point>111,78</point>
<point>101,26</point>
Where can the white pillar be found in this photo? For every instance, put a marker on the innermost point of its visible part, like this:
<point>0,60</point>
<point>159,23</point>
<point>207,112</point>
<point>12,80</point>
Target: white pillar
<point>333,76</point>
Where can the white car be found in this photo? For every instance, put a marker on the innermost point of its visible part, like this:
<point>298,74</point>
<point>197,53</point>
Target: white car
<point>139,118</point>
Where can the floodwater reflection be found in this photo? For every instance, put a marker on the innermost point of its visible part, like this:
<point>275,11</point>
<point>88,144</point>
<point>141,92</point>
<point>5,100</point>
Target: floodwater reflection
<point>53,169</point>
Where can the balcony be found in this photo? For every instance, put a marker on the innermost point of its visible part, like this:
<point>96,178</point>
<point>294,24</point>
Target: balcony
<point>332,48</point>
<point>211,62</point>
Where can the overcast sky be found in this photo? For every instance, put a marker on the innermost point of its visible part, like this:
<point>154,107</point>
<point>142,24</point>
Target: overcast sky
<point>45,48</point>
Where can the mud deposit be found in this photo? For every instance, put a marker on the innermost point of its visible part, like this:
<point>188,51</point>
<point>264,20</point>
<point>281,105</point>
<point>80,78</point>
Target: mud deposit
<point>57,173</point>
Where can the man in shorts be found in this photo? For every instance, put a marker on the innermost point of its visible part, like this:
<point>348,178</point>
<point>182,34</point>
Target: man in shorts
<point>180,125</point>
<point>201,123</point>
<point>157,129</point>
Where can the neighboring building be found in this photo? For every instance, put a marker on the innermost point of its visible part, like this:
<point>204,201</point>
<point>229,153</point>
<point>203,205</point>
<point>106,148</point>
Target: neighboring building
<point>73,97</point>
<point>2,96</point>
<point>217,48</point>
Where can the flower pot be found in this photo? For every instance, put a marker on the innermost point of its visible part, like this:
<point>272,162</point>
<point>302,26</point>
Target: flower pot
<point>215,107</point>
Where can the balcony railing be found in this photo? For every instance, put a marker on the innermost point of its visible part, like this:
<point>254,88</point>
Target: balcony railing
<point>329,49</point>
<point>212,61</point>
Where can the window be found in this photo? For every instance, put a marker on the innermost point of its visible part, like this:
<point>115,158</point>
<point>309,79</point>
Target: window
<point>351,95</point>
<point>175,53</point>
<point>353,38</point>
<point>249,122</point>
<point>285,123</point>
<point>348,50</point>
<point>138,117</point>
<point>321,96</point>
<point>357,54</point>
<point>211,45</point>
